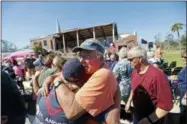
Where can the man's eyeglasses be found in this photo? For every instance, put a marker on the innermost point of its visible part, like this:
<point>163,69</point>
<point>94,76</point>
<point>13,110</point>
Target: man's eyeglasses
<point>85,56</point>
<point>133,58</point>
<point>185,57</point>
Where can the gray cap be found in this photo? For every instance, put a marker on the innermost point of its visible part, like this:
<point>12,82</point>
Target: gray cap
<point>90,44</point>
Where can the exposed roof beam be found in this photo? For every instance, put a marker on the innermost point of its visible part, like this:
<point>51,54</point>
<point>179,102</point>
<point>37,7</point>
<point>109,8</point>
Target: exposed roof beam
<point>70,36</point>
<point>90,32</point>
<point>116,29</point>
<point>81,35</point>
<point>103,32</point>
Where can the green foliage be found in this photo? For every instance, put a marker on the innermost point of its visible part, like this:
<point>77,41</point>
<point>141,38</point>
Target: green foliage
<point>177,27</point>
<point>183,41</point>
<point>37,48</point>
<point>26,47</point>
<point>8,46</point>
<point>157,38</point>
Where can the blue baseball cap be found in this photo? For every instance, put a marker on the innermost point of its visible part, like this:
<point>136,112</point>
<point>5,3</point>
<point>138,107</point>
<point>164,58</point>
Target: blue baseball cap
<point>73,68</point>
<point>90,44</point>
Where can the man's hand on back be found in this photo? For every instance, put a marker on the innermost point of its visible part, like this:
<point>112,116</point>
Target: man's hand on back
<point>66,99</point>
<point>47,83</point>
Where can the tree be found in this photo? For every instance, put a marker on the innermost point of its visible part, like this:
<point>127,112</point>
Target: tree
<point>38,48</point>
<point>168,40</point>
<point>183,40</point>
<point>157,39</point>
<point>8,46</point>
<point>26,47</point>
<point>176,28</point>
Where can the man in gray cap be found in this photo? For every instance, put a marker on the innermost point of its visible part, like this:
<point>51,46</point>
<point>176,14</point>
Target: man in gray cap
<point>99,94</point>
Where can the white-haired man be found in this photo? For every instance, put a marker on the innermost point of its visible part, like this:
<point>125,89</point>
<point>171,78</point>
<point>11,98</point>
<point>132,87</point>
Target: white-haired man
<point>150,90</point>
<point>99,94</point>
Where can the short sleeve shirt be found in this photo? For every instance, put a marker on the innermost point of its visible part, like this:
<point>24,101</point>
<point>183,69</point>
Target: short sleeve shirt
<point>97,94</point>
<point>45,74</point>
<point>156,84</point>
<point>123,71</point>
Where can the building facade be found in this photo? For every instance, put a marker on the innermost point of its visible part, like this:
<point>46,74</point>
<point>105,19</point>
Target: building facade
<point>66,40</point>
<point>128,40</point>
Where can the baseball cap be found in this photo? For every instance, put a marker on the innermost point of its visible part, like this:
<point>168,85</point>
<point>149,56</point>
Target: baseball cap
<point>73,68</point>
<point>90,44</point>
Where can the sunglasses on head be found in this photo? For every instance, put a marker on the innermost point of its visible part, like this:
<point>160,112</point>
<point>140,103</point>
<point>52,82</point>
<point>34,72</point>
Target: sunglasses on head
<point>130,59</point>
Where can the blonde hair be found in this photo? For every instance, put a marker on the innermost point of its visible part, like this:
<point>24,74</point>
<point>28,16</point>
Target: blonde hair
<point>59,61</point>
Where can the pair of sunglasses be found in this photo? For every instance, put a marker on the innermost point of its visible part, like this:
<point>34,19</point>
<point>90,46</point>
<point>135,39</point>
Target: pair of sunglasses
<point>132,59</point>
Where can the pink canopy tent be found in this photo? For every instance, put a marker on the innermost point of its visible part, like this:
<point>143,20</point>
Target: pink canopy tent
<point>18,54</point>
<point>4,56</point>
<point>22,53</point>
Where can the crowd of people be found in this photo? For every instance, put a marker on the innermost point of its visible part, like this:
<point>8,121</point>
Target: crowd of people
<point>90,87</point>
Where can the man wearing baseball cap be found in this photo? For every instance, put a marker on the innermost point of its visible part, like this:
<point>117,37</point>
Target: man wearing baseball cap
<point>98,94</point>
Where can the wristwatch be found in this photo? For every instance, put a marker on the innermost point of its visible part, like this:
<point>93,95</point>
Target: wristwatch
<point>57,83</point>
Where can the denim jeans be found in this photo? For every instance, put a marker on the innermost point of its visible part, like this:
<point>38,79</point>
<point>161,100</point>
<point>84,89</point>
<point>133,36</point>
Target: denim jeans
<point>134,120</point>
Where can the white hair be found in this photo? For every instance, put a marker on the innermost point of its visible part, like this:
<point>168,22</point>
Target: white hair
<point>122,53</point>
<point>137,51</point>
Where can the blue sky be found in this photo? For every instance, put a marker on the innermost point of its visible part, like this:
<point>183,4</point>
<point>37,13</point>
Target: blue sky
<point>22,21</point>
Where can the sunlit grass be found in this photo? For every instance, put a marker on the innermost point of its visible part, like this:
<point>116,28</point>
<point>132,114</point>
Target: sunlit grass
<point>173,56</point>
